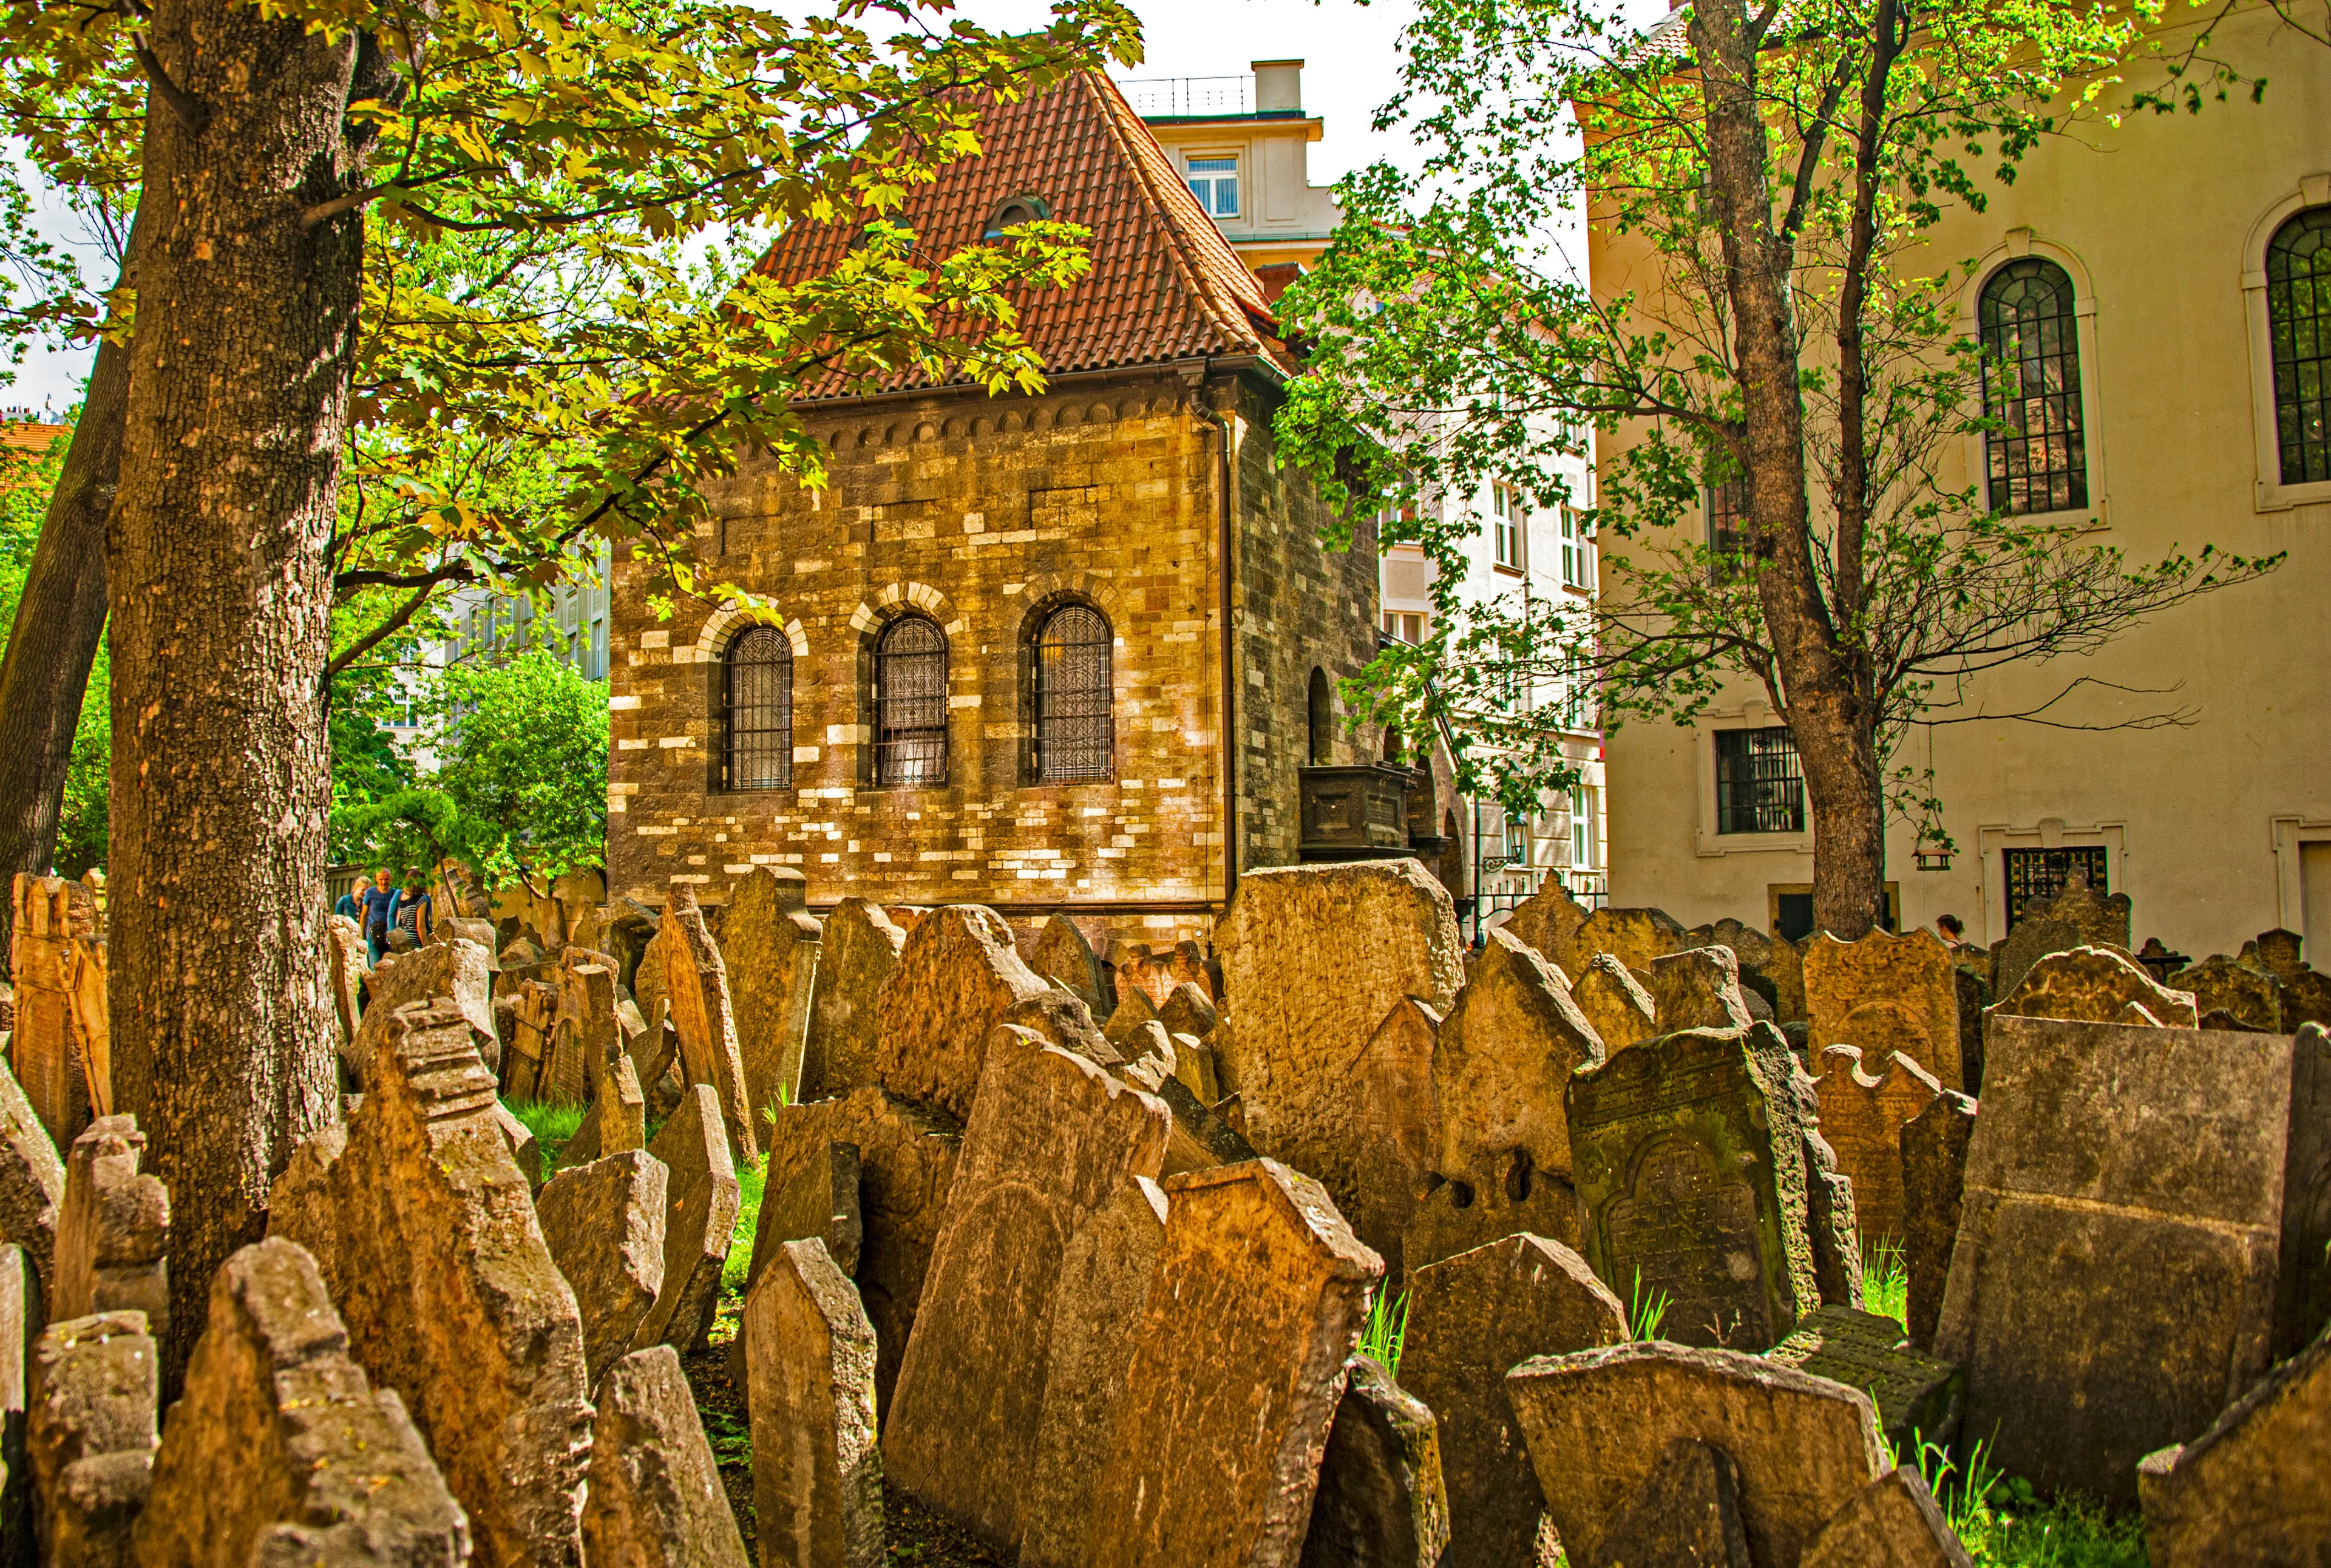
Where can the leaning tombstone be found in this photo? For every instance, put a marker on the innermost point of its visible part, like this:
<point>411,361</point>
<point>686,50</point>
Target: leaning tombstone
<point>1686,1511</point>
<point>1379,1503</point>
<point>2095,985</point>
<point>1062,954</point>
<point>2306,993</point>
<point>1189,1011</point>
<point>2102,921</point>
<point>1934,1177</point>
<point>1886,993</point>
<point>656,1497</point>
<point>603,1223</point>
<point>1786,970</point>
<point>817,1473</point>
<point>280,1449</point>
<point>114,1233</point>
<point>457,970</point>
<point>46,1049</point>
<point>859,948</point>
<point>696,983</point>
<point>91,1389</point>
<point>771,945</point>
<point>1891,1523</point>
<point>1397,1129</point>
<point>32,1182</point>
<point>1861,1120</point>
<point>1256,1302</point>
<point>1471,1318</point>
<point>703,1198</point>
<point>1620,1011</point>
<point>1698,988</point>
<point>1831,1225</point>
<point>348,966</point>
<point>1134,1008</point>
<point>1802,1446</point>
<point>1692,1177</point>
<point>1548,922</point>
<point>1633,937</point>
<point>2254,1490</point>
<point>957,977</point>
<point>2031,938</point>
<point>1917,1397</point>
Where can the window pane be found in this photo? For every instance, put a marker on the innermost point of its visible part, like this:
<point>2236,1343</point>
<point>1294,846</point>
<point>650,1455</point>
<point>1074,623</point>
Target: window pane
<point>2036,459</point>
<point>760,710</point>
<point>1760,786</point>
<point>2298,317</point>
<point>1076,727</point>
<point>911,704</point>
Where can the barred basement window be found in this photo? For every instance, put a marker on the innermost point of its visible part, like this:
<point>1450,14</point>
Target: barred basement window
<point>910,703</point>
<point>2039,458</point>
<point>2298,327</point>
<point>2042,873</point>
<point>1076,728</point>
<point>1760,784</point>
<point>758,685</point>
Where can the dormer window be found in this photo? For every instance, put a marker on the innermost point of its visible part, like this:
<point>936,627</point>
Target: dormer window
<point>1214,181</point>
<point>1017,209</point>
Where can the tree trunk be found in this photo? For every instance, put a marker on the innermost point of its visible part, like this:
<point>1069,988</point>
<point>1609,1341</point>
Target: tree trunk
<point>59,618</point>
<point>220,595</point>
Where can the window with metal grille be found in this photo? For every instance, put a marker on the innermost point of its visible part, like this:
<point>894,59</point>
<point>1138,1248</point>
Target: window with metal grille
<point>2038,458</point>
<point>2041,873</point>
<point>1760,784</point>
<point>757,677</point>
<point>1075,724</point>
<point>910,703</point>
<point>2298,326</point>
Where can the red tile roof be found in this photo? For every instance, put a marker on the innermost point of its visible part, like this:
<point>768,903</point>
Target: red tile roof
<point>1165,284</point>
<point>28,437</point>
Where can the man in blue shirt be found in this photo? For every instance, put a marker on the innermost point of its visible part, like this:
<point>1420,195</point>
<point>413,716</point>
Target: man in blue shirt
<point>379,902</point>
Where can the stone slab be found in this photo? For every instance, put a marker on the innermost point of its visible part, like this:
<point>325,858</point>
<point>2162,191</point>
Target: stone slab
<point>1698,988</point>
<point>701,1198</point>
<point>655,1498</point>
<point>817,1472</point>
<point>1891,1523</point>
<point>604,1225</point>
<point>1862,1119</point>
<point>1633,937</point>
<point>2254,1489</point>
<point>91,1387</point>
<point>1686,1511</point>
<point>1548,921</point>
<point>1506,1054</point>
<point>1379,1502</point>
<point>113,1234</point>
<point>1621,1011</point>
<point>957,977</point>
<point>2096,985</point>
<point>771,946</point>
<point>1062,954</point>
<point>32,1181</point>
<point>1885,994</point>
<point>696,988</point>
<point>1934,1181</point>
<point>1917,1397</point>
<point>1397,1129</point>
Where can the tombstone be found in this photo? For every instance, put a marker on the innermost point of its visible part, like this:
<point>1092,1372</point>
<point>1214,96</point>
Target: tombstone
<point>2117,1275</point>
<point>656,1497</point>
<point>820,1201</point>
<point>1891,1523</point>
<point>53,916</point>
<point>2250,998</point>
<point>1548,922</point>
<point>113,1232</point>
<point>2095,985</point>
<point>1397,1129</point>
<point>696,984</point>
<point>20,1324</point>
<point>1934,1178</point>
<point>1861,1119</point>
<point>2254,1489</point>
<point>2032,939</point>
<point>1188,1010</point>
<point>280,1449</point>
<point>617,1121</point>
<point>1203,1136</point>
<point>1313,958</point>
<point>527,1068</point>
<point>1471,1318</point>
<point>2100,921</point>
<point>1886,993</point>
<point>587,1018</point>
<point>1379,1503</point>
<point>907,1160</point>
<point>771,946</point>
<point>1103,1287</point>
<point>1134,965</point>
<point>2306,993</point>
<point>605,1224</point>
<point>1686,1511</point>
<point>703,1199</point>
<point>1237,1361</point>
<point>817,1473</point>
<point>1512,1199</point>
<point>32,1182</point>
<point>1802,1446</point>
<point>1786,970</point>
<point>348,967</point>
<point>1621,1011</point>
<point>1062,954</point>
<point>1698,988</point>
<point>957,977</point>
<point>91,1389</point>
<point>1917,1397</point>
<point>859,949</point>
<point>1194,1064</point>
<point>456,970</point>
<point>1692,1184</point>
<point>1832,1226</point>
<point>1057,1014</point>
<point>424,1232</point>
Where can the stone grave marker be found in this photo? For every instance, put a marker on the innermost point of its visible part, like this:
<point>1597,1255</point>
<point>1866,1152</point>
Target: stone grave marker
<point>696,983</point>
<point>1786,970</point>
<point>2033,937</point>
<point>1238,1363</point>
<point>771,945</point>
<point>1861,1119</point>
<point>1506,1054</point>
<point>1832,1224</point>
<point>55,918</point>
<point>1057,1014</point>
<point>1620,1011</point>
<point>655,1495</point>
<point>1379,1503</point>
<point>2101,921</point>
<point>1050,1141</point>
<point>1599,1422</point>
<point>2254,1489</point>
<point>20,1325</point>
<point>1188,1010</point>
<point>2247,998</point>
<point>603,1223</point>
<point>1885,994</point>
<point>458,970</point>
<point>2095,985</point>
<point>32,1182</point>
<point>1692,1183</point>
<point>1891,1523</point>
<point>113,1234</point>
<point>1917,1397</point>
<point>1062,954</point>
<point>2117,1278</point>
<point>92,1386</point>
<point>1934,1177</point>
<point>347,965</point>
<point>2306,993</point>
<point>1686,1511</point>
<point>1698,988</point>
<point>957,977</point>
<point>1396,1127</point>
<point>1633,937</point>
<point>1471,1318</point>
<point>817,1472</point>
<point>702,1198</point>
<point>1134,1008</point>
<point>1457,1216</point>
<point>1548,922</point>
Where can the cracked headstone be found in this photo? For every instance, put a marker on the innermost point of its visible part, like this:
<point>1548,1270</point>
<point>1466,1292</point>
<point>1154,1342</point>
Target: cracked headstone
<point>1379,1502</point>
<point>817,1472</point>
<point>771,945</point>
<point>696,990</point>
<point>701,1200</point>
<point>655,1499</point>
<point>605,1223</point>
<point>1698,988</point>
<point>957,977</point>
<point>2096,985</point>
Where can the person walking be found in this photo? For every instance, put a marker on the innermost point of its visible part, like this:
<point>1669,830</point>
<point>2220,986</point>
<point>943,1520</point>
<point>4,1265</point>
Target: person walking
<point>413,908</point>
<point>379,907</point>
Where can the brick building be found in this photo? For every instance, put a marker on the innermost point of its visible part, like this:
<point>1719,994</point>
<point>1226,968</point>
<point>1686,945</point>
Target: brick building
<point>1000,643</point>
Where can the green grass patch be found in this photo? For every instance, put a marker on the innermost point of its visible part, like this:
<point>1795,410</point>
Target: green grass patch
<point>734,1267</point>
<point>2004,1522</point>
<point>1645,1313</point>
<point>551,1126</point>
<point>1886,1280</point>
<point>1386,1329</point>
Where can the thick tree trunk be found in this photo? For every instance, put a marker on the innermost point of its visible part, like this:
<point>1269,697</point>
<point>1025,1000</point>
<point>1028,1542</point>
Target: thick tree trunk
<point>220,594</point>
<point>59,620</point>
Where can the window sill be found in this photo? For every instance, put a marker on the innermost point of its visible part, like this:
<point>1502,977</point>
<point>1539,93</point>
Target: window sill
<point>1508,571</point>
<point>2085,519</point>
<point>1712,845</point>
<point>2281,497</point>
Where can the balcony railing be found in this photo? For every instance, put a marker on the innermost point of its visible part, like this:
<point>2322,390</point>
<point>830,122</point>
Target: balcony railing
<point>1189,97</point>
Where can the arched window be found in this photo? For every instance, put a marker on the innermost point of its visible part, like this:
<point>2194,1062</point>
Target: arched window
<point>2038,458</point>
<point>1323,719</point>
<point>1076,727</point>
<point>910,703</point>
<point>2298,326</point>
<point>757,684</point>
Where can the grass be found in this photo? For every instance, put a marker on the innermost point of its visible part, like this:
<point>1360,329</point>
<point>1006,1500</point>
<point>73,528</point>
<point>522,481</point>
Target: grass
<point>1385,1331</point>
<point>1645,1313</point>
<point>1886,1280</point>
<point>2004,1523</point>
<point>739,1262</point>
<point>551,1126</point>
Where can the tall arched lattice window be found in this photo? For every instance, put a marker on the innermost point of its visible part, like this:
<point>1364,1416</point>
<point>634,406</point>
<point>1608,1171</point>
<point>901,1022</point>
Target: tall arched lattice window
<point>2039,457</point>
<point>1076,726</point>
<point>2298,325</point>
<point>910,703</point>
<point>1322,712</point>
<point>757,676</point>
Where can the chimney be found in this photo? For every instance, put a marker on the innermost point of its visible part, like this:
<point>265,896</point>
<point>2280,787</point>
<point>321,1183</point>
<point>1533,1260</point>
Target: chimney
<point>1278,86</point>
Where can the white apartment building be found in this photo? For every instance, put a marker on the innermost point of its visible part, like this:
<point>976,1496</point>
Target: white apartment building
<point>1243,143</point>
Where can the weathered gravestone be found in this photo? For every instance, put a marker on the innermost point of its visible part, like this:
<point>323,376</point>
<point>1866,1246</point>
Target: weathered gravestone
<point>2249,998</point>
<point>1548,922</point>
<point>55,921</point>
<point>1313,958</point>
<point>456,970</point>
<point>1379,1502</point>
<point>605,1224</point>
<point>91,1387</point>
<point>1062,954</point>
<point>1051,1140</point>
<point>2254,1490</point>
<point>1692,1183</point>
<point>817,1473</point>
<point>1134,966</point>
<point>20,1326</point>
<point>1238,1363</point>
<point>1891,1523</point>
<point>1861,1119</point>
<point>771,945</point>
<point>1786,970</point>
<point>32,1182</point>
<point>1830,1224</point>
<point>281,1450</point>
<point>424,1230</point>
<point>2031,938</point>
<point>1885,994</point>
<point>2095,985</point>
<point>1698,988</point>
<point>907,1160</point>
<point>2101,921</point>
<point>347,965</point>
<point>2115,1280</point>
<point>1397,1129</point>
<point>1934,1179</point>
<point>655,1497</point>
<point>1056,1013</point>
<point>1620,1011</point>
<point>2306,993</point>
<point>702,1198</point>
<point>1471,1320</point>
<point>1633,937</point>
<point>1188,1010</point>
<point>1599,1422</point>
<point>114,1231</point>
<point>1103,1289</point>
<point>955,979</point>
<point>1917,1397</point>
<point>696,984</point>
<point>1134,1010</point>
<point>1686,1511</point>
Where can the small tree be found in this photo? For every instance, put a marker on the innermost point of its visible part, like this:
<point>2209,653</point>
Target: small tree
<point>1780,167</point>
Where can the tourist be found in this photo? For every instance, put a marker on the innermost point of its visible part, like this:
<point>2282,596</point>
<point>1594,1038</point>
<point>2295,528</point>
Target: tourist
<point>349,907</point>
<point>413,907</point>
<point>1953,931</point>
<point>379,905</point>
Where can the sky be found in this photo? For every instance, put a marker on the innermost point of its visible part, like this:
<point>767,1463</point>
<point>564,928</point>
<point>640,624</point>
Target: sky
<point>1351,65</point>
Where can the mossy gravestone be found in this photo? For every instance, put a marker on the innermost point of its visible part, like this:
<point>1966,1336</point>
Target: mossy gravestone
<point>1690,1163</point>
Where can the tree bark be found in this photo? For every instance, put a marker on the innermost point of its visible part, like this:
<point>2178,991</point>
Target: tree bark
<point>220,595</point>
<point>59,618</point>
